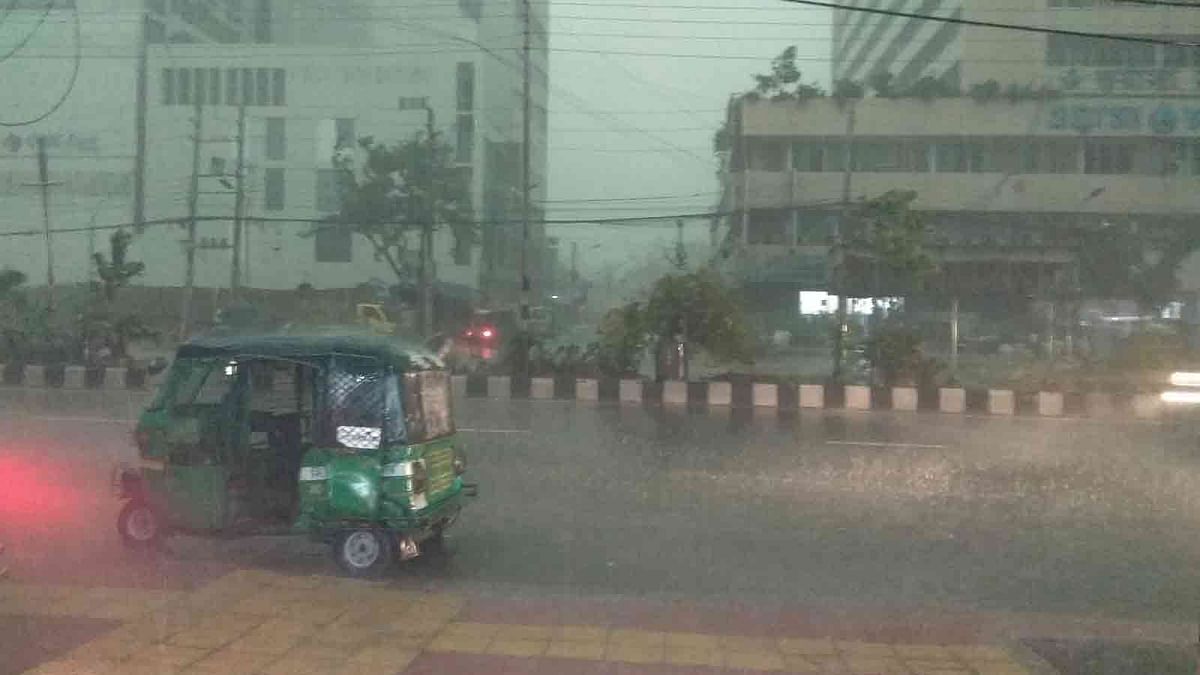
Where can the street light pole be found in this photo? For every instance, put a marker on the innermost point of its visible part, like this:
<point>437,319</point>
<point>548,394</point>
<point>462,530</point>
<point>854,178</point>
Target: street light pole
<point>427,262</point>
<point>526,100</point>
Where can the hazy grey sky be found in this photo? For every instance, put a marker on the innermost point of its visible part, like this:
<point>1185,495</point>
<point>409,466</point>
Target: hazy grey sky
<point>629,125</point>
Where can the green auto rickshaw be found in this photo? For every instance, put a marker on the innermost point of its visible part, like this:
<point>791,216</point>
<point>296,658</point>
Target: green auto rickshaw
<point>347,439</point>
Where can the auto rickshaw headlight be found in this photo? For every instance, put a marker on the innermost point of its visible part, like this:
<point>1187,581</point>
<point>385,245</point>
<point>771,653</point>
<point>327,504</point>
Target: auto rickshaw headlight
<point>460,463</point>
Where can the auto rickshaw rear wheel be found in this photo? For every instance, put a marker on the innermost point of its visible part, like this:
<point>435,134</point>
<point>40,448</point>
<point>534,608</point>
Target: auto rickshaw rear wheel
<point>363,552</point>
<point>139,525</point>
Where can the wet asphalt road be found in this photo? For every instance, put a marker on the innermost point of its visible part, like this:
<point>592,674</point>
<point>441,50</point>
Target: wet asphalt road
<point>840,510</point>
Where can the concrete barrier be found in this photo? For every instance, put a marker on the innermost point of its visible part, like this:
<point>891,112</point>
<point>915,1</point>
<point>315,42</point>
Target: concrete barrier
<point>720,394</point>
<point>1050,404</point>
<point>587,390</point>
<point>114,378</point>
<point>1002,402</point>
<point>35,376</point>
<point>812,396</point>
<point>905,398</point>
<point>1099,405</point>
<point>75,377</point>
<point>458,384</point>
<point>765,395</point>
<point>631,391</point>
<point>499,386</point>
<point>858,397</point>
<point>675,392</point>
<point>952,400</point>
<point>541,388</point>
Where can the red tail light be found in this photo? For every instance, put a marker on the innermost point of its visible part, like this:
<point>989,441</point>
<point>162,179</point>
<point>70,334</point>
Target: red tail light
<point>488,333</point>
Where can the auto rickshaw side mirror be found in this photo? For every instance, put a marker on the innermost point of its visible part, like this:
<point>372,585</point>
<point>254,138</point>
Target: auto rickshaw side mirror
<point>156,366</point>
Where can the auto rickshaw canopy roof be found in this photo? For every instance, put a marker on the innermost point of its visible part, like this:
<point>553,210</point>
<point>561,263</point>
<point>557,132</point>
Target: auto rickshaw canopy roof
<point>313,347</point>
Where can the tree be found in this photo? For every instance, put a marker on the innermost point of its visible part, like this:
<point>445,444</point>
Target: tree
<point>386,197</point>
<point>887,237</point>
<point>687,309</point>
<point>103,325</point>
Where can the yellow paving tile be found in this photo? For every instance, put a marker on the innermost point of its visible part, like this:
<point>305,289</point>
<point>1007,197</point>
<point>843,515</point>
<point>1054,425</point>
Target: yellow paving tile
<point>300,665</point>
<point>693,641</point>
<point>941,671</point>
<point>467,644</point>
<point>927,665</point>
<point>997,668</point>
<point>734,643</point>
<point>800,664</point>
<point>804,647</point>
<point>267,602</point>
<point>875,666</point>
<point>524,632</point>
<point>230,662</point>
<point>106,648</point>
<point>580,634</point>
<point>578,650</point>
<point>634,653</point>
<point>826,663</point>
<point>145,631</point>
<point>467,629</point>
<point>510,647</point>
<point>317,614</point>
<point>760,660</point>
<point>68,667</point>
<point>163,657</point>
<point>286,626</point>
<point>346,636</point>
<point>212,634</point>
<point>866,649</point>
<point>925,652</point>
<point>630,637</point>
<point>390,655</point>
<point>371,668</point>
<point>694,656</point>
<point>266,642</point>
<point>986,653</point>
<point>415,642</point>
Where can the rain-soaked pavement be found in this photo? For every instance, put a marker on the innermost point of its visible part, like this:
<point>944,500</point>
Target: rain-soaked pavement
<point>878,513</point>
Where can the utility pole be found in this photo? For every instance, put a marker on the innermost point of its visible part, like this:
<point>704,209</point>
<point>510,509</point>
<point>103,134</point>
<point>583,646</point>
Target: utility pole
<point>526,189</point>
<point>44,184</point>
<point>839,343</point>
<point>427,262</point>
<point>239,205</point>
<point>189,275</point>
<point>140,105</point>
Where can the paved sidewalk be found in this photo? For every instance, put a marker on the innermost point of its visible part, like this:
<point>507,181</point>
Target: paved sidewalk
<point>250,622</point>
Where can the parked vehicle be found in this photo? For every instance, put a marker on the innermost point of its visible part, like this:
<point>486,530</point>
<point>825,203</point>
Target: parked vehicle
<point>349,440</point>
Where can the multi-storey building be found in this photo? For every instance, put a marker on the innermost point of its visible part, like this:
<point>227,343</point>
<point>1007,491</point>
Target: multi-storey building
<point>1098,132</point>
<point>310,77</point>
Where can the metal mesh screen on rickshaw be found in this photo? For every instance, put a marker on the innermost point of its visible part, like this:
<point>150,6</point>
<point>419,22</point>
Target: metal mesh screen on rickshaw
<point>356,403</point>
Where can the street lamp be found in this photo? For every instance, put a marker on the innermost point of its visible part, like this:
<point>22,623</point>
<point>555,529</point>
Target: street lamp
<point>427,264</point>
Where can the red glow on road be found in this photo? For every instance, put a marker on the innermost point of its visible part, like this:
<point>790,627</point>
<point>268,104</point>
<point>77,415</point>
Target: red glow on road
<point>35,493</point>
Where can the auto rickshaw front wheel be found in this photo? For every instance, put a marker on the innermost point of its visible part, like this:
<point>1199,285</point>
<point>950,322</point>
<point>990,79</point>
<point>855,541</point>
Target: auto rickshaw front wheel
<point>139,525</point>
<point>363,552</point>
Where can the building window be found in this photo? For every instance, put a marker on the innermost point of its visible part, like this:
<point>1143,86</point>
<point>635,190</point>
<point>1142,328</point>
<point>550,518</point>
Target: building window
<point>278,86</point>
<point>344,132</point>
<point>767,155</point>
<point>274,191</point>
<point>334,245</point>
<point>262,94</point>
<point>769,226</point>
<point>807,156</point>
<point>1167,158</point>
<point>214,86</point>
<point>328,197</point>
<point>200,79</point>
<point>466,86</point>
<point>156,32</point>
<point>950,158</point>
<point>464,146</point>
<point>168,86</point>
<point>216,166</point>
<point>276,138</point>
<point>247,87</point>
<point>184,76</point>
<point>472,9</point>
<point>232,94</point>
<point>262,21</point>
<point>1104,157</point>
